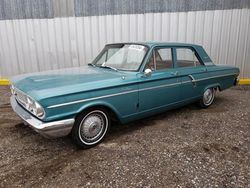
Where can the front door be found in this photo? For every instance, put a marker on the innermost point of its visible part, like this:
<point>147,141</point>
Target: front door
<point>162,88</point>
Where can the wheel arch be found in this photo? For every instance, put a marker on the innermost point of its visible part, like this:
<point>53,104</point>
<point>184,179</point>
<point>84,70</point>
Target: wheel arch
<point>216,85</point>
<point>115,115</point>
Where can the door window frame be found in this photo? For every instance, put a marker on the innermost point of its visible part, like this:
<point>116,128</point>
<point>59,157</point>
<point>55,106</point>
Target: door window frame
<point>195,53</point>
<point>174,57</point>
<point>152,53</point>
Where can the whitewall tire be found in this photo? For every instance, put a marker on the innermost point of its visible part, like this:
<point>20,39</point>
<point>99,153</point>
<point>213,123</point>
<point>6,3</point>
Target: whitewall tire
<point>91,127</point>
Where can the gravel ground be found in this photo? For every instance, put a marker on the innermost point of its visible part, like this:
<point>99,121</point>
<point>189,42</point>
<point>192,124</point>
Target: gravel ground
<point>186,147</point>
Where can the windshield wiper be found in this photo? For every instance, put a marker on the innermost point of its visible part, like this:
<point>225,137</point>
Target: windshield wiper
<point>109,67</point>
<point>91,64</point>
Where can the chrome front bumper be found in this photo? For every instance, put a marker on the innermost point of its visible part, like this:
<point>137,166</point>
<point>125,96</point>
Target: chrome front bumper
<point>52,129</point>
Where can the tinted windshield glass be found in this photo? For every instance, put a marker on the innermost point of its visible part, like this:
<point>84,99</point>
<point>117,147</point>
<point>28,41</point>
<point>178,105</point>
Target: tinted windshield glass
<point>122,56</point>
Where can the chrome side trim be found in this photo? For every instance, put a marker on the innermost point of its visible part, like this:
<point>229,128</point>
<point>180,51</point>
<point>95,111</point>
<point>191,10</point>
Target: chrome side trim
<point>215,77</point>
<point>93,98</point>
<point>111,95</point>
<point>157,87</point>
<point>208,78</point>
<point>189,81</point>
<point>132,91</point>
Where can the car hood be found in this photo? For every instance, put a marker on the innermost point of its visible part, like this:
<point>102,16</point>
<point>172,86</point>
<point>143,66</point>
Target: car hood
<point>62,82</point>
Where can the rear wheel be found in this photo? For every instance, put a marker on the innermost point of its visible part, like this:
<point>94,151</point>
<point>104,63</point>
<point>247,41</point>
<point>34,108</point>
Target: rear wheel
<point>90,127</point>
<point>207,98</point>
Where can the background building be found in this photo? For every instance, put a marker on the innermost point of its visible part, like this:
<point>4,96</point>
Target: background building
<point>37,35</point>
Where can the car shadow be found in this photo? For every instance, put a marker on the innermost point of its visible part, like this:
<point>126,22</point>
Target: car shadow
<point>117,130</point>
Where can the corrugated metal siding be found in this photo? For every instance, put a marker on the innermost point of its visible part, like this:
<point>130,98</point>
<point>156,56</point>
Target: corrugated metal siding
<point>40,44</point>
<point>23,9</point>
<point>111,7</point>
<point>32,9</point>
<point>63,8</point>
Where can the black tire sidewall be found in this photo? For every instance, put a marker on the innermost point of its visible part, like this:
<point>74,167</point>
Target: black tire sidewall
<point>75,130</point>
<point>202,104</point>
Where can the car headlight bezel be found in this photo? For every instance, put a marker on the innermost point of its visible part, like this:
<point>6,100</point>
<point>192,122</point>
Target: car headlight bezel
<point>12,89</point>
<point>29,103</point>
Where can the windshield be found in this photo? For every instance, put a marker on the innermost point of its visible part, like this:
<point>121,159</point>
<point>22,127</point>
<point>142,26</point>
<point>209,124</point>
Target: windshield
<point>126,57</point>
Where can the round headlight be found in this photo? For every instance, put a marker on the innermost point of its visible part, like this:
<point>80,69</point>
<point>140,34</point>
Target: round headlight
<point>30,104</point>
<point>12,89</point>
<point>34,107</point>
<point>38,110</point>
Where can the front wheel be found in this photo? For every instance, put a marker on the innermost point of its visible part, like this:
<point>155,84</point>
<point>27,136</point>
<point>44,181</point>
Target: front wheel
<point>207,98</point>
<point>90,127</point>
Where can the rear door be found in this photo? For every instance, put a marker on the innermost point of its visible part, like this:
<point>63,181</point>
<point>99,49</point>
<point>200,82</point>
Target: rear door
<point>191,71</point>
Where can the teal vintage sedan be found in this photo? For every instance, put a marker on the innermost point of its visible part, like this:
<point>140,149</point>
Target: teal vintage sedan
<point>126,82</point>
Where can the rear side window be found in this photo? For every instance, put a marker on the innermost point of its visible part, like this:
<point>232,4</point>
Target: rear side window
<point>186,58</point>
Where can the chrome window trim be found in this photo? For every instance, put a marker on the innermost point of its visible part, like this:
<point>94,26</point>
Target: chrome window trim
<point>132,91</point>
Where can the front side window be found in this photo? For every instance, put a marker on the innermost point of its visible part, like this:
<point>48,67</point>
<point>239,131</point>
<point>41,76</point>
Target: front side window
<point>160,59</point>
<point>186,58</point>
<point>122,56</point>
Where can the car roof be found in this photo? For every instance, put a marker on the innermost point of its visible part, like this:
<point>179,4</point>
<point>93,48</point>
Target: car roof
<point>153,44</point>
<point>199,49</point>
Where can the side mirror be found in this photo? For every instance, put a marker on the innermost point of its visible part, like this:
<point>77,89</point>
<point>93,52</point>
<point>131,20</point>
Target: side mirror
<point>148,72</point>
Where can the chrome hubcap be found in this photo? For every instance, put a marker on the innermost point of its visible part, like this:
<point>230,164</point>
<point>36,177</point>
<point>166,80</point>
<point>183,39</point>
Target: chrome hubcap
<point>208,96</point>
<point>92,126</point>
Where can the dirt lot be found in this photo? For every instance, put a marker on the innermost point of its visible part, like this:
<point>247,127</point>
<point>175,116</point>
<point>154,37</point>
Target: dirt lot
<point>186,147</point>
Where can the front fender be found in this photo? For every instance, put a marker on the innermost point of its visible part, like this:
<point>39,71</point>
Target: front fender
<point>99,103</point>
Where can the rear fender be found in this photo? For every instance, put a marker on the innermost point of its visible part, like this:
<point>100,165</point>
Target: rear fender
<point>215,85</point>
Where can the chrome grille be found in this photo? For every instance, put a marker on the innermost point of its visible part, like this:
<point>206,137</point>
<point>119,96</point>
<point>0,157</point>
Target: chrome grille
<point>21,98</point>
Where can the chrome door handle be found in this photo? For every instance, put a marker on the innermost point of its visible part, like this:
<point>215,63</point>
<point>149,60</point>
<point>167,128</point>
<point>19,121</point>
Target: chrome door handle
<point>174,73</point>
<point>204,69</point>
<point>192,80</point>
